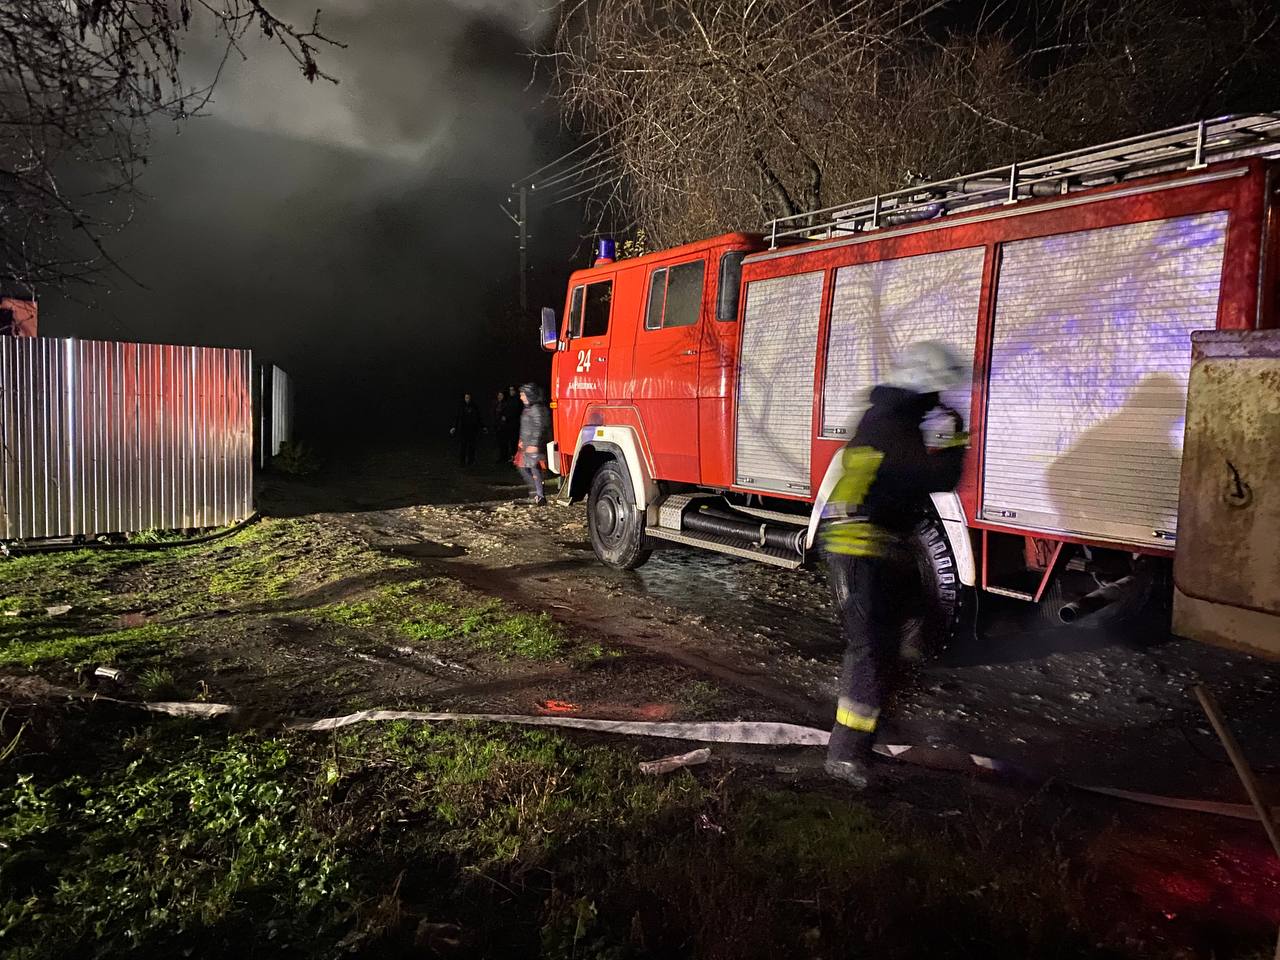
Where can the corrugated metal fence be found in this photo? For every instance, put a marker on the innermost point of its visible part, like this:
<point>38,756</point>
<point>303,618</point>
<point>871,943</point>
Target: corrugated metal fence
<point>107,437</point>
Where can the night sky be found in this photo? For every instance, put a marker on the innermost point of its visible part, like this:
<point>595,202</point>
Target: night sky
<point>350,233</point>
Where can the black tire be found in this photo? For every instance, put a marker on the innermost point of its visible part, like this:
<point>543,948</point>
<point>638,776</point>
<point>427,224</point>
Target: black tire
<point>936,604</point>
<point>615,525</point>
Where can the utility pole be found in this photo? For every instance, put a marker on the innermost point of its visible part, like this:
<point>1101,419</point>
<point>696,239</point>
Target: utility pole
<point>567,178</point>
<point>524,248</point>
<point>521,219</point>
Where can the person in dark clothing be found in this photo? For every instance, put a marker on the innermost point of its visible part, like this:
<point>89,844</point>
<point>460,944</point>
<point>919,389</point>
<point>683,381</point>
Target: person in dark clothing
<point>535,425</point>
<point>467,425</point>
<point>887,474</point>
<point>513,411</point>
<point>503,435</point>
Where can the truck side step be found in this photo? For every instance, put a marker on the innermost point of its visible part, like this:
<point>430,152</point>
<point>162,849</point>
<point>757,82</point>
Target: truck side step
<point>674,506</point>
<point>1009,592</point>
<point>735,548</point>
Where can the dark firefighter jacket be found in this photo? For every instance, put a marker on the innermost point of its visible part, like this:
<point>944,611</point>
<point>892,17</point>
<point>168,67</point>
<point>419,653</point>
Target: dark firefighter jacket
<point>888,474</point>
<point>468,422</point>
<point>535,426</point>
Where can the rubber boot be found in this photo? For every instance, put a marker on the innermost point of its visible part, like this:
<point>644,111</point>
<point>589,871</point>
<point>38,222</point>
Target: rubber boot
<point>851,772</point>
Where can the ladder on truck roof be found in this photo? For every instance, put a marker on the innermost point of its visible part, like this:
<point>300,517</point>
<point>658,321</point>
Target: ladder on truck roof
<point>1189,146</point>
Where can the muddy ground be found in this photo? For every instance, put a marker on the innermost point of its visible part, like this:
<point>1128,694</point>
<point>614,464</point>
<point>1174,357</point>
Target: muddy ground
<point>393,579</point>
<point>1085,706</point>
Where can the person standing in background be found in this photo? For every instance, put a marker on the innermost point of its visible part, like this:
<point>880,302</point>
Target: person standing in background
<point>467,425</point>
<point>503,437</point>
<point>514,409</point>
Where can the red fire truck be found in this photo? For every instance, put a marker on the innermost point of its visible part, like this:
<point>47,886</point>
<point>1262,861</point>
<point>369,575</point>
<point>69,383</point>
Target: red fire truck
<point>700,393</point>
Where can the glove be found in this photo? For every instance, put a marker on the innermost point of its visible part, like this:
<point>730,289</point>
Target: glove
<point>957,421</point>
<point>959,435</point>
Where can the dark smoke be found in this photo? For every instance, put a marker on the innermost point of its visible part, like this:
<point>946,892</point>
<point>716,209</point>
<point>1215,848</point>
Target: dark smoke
<point>352,233</point>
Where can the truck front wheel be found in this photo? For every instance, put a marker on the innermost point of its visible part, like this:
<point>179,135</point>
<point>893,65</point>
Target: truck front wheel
<point>615,525</point>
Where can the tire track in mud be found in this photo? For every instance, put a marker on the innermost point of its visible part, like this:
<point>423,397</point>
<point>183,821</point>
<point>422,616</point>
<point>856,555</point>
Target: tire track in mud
<point>617,623</point>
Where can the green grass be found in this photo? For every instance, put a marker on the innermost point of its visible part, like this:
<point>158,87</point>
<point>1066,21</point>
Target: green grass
<point>436,611</point>
<point>263,577</point>
<point>158,683</point>
<point>702,699</point>
<point>266,562</point>
<point>193,833</point>
<point>310,846</point>
<point>33,568</point>
<point>66,646</point>
<point>21,603</point>
<point>203,831</point>
<point>150,537</point>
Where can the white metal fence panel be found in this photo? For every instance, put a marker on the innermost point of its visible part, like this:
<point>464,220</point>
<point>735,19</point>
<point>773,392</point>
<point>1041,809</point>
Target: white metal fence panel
<point>775,383</point>
<point>275,411</point>
<point>281,409</point>
<point>878,308</point>
<point>1089,367</point>
<point>107,437</point>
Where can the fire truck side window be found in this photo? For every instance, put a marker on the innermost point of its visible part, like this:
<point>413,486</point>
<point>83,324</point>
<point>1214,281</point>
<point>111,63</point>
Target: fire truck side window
<point>657,299</point>
<point>595,313</point>
<point>730,281</point>
<point>684,295</point>
<point>675,296</point>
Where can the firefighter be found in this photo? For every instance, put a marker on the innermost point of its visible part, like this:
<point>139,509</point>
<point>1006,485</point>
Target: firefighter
<point>535,424</point>
<point>881,495</point>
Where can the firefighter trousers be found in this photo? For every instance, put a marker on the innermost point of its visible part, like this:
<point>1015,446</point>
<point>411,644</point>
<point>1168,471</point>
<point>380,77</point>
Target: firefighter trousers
<point>865,593</point>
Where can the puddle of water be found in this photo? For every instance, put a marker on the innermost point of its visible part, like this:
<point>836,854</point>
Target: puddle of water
<point>427,550</point>
<point>790,606</point>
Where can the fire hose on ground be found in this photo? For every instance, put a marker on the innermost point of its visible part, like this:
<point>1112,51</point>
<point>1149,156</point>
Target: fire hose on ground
<point>740,732</point>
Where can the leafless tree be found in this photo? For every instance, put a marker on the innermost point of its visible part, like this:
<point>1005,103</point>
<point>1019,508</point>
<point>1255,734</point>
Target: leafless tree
<point>79,81</point>
<point>719,114</point>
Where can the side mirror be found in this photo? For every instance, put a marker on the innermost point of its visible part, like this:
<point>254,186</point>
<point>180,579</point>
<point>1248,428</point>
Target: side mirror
<point>550,329</point>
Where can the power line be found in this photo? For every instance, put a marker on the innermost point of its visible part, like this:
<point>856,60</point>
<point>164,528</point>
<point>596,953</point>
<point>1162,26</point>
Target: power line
<point>577,170</point>
<point>568,177</point>
<point>526,180</point>
<point>585,189</point>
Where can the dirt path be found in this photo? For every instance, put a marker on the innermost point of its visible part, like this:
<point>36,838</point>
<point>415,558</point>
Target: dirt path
<point>1083,706</point>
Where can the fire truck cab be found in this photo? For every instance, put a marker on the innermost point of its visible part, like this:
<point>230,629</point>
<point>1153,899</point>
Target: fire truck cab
<point>700,393</point>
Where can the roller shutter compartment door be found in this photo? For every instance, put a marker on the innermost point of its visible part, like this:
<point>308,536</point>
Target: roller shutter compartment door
<point>878,308</point>
<point>1089,365</point>
<point>775,383</point>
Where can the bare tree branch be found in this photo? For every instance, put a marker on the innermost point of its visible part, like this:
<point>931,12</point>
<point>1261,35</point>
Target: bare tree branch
<point>80,80</point>
<point>721,114</point>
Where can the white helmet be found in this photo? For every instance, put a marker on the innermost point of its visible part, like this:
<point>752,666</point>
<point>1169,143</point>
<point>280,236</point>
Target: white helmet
<point>927,366</point>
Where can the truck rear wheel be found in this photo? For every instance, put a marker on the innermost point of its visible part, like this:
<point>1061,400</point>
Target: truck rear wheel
<point>936,606</point>
<point>615,525</point>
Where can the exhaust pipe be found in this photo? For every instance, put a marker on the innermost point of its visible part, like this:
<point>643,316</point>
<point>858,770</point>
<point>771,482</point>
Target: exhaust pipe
<point>775,536</point>
<point>1104,596</point>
